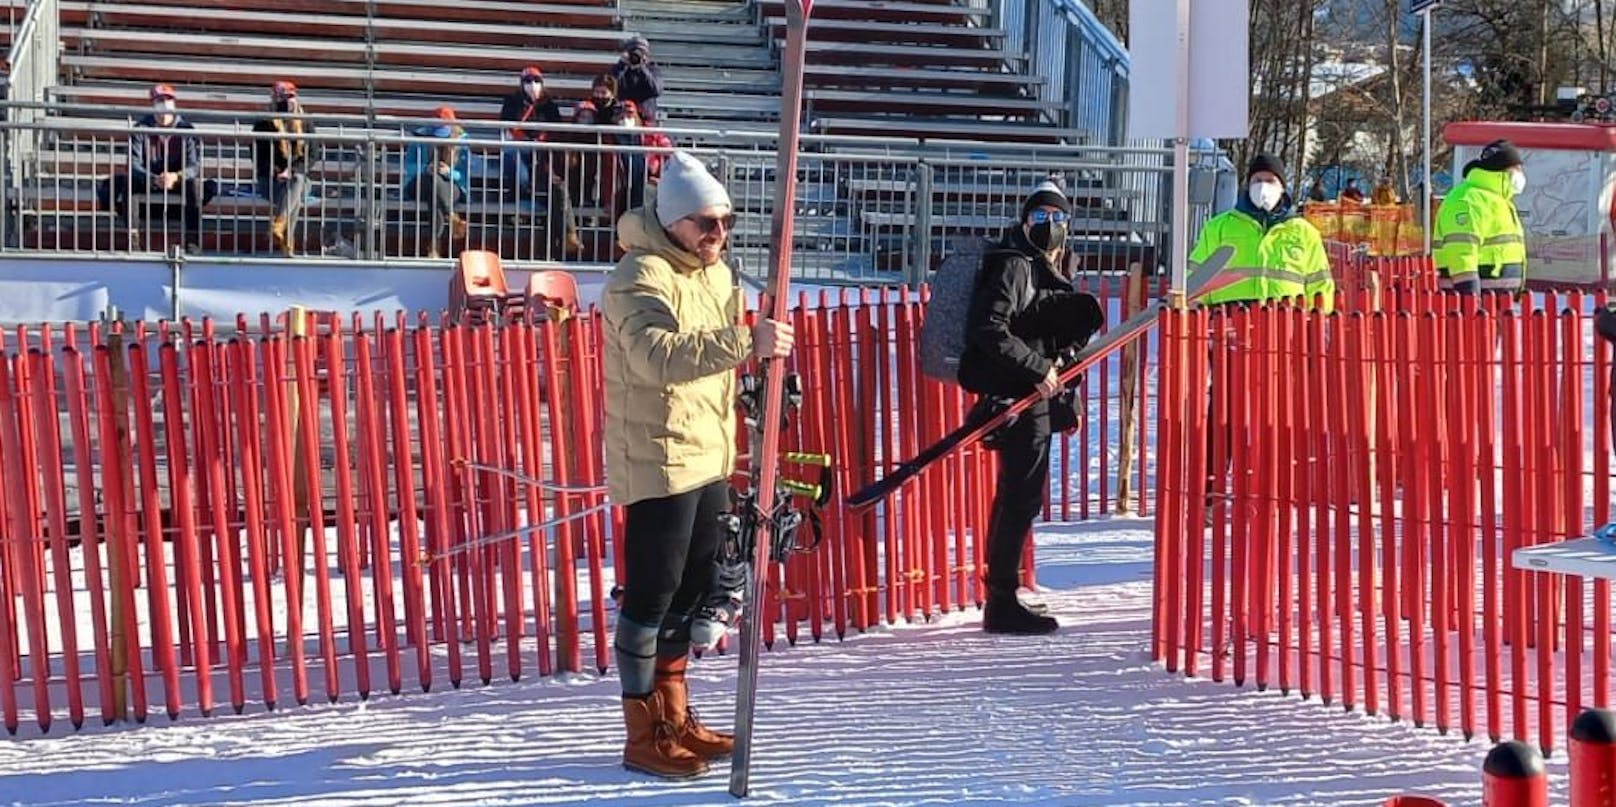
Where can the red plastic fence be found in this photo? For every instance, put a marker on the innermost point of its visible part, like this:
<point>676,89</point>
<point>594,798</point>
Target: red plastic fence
<point>1338,514</point>
<point>190,519</point>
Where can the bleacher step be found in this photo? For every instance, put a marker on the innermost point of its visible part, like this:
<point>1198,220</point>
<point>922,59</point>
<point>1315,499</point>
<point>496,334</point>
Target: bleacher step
<point>697,31</point>
<point>733,11</point>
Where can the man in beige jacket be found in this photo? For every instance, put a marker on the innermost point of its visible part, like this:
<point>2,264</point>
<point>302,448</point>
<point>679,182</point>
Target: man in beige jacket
<point>674,338</point>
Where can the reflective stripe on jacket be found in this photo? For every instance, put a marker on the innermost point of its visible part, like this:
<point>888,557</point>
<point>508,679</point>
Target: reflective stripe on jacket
<point>1478,234</point>
<point>1285,259</point>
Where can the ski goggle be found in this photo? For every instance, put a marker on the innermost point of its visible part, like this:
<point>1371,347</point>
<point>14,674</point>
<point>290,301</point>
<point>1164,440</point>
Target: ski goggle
<point>1041,215</point>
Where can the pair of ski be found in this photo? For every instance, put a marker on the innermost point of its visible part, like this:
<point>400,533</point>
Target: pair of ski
<point>774,304</point>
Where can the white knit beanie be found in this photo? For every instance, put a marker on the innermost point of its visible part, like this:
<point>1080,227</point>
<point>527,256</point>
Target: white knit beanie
<point>686,188</point>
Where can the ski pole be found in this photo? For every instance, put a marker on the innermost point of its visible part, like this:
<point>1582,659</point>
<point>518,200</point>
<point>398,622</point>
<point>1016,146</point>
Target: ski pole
<point>428,557</point>
<point>542,484</point>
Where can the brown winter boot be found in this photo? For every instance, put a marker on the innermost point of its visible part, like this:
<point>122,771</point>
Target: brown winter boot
<point>653,744</point>
<point>278,234</point>
<point>457,227</point>
<point>676,709</point>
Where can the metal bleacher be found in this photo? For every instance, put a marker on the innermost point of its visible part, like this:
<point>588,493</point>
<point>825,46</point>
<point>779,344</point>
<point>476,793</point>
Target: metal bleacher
<point>908,77</point>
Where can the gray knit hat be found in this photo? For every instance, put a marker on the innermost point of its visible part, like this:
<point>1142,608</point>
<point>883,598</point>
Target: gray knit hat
<point>686,188</point>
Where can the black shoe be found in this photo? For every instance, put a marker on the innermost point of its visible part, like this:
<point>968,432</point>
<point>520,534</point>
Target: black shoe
<point>1008,615</point>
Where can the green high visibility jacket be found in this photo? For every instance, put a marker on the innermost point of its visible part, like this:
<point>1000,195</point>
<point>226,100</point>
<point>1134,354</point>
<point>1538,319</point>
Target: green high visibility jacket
<point>1478,241</point>
<point>1276,256</point>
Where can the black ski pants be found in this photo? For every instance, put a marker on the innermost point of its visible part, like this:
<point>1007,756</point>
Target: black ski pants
<point>669,548</point>
<point>1018,497</point>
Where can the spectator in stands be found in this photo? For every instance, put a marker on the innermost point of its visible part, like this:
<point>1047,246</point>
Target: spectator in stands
<point>435,174</point>
<point>1315,192</point>
<point>576,170</point>
<point>529,104</point>
<point>603,94</point>
<point>281,165</point>
<point>166,165</point>
<point>674,335</point>
<point>1352,193</point>
<point>527,173</point>
<point>638,168</point>
<point>639,79</point>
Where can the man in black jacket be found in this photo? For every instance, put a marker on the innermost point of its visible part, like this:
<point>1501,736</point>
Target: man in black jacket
<point>165,169</point>
<point>1024,314</point>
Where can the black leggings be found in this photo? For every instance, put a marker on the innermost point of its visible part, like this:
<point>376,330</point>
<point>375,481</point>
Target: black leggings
<point>669,546</point>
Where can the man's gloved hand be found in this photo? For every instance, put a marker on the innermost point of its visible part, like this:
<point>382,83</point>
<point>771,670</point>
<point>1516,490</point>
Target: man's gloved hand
<point>1063,413</point>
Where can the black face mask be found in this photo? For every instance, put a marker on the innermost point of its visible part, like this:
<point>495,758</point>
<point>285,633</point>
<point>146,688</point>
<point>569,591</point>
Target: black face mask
<point>1047,235</point>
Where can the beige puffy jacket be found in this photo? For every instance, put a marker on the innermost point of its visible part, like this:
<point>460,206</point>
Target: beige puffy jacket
<point>672,345</point>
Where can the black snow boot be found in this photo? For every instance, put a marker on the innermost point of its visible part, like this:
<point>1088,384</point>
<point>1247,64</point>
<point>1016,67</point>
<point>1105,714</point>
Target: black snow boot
<point>1006,614</point>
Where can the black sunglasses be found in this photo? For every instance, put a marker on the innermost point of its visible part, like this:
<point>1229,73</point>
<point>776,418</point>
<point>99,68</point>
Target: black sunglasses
<point>710,223</point>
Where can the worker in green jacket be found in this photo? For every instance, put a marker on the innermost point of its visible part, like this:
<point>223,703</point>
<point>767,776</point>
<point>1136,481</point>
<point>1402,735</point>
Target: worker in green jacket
<point>1478,244</point>
<point>1278,253</point>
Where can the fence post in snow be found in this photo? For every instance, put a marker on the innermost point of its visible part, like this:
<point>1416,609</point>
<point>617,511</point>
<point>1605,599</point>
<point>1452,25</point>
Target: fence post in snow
<point>1513,776</point>
<point>1133,301</point>
<point>1593,758</point>
<point>121,552</point>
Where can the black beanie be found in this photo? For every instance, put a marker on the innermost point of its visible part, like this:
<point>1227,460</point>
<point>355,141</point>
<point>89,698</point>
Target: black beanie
<point>1269,163</point>
<point>1499,155</point>
<point>1047,193</point>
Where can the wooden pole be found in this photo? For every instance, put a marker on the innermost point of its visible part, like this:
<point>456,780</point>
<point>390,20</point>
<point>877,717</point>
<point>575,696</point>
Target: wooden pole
<point>118,526</point>
<point>1133,301</point>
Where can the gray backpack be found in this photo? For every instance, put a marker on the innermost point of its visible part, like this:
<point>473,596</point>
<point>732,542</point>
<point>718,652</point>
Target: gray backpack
<point>942,333</point>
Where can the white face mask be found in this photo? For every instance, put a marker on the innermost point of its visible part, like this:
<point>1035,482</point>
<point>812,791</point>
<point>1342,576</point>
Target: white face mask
<point>628,123</point>
<point>163,105</point>
<point>534,89</point>
<point>1517,181</point>
<point>1265,195</point>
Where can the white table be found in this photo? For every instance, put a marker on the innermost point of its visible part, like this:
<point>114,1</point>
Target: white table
<point>1584,557</point>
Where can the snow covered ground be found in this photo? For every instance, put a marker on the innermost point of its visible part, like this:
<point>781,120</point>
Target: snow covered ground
<point>933,713</point>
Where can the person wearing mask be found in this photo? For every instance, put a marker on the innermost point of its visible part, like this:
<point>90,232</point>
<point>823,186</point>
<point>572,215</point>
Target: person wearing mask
<point>436,176</point>
<point>528,104</point>
<point>639,168</point>
<point>1023,315</point>
<point>1478,243</point>
<point>1279,253</point>
<point>603,95</point>
<point>526,172</point>
<point>281,164</point>
<point>639,79</point>
<point>167,165</point>
<point>674,336</point>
